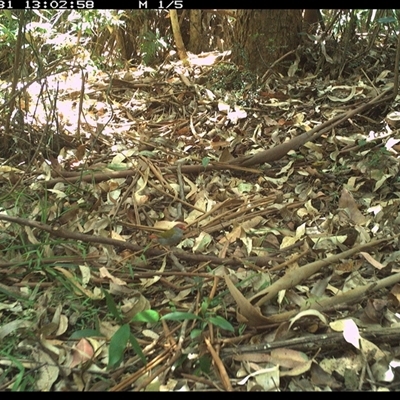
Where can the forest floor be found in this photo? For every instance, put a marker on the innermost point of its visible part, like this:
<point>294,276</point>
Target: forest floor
<point>287,275</point>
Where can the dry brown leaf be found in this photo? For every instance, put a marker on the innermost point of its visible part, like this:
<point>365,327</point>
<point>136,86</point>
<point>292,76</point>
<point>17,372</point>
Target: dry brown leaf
<point>104,273</point>
<point>80,152</point>
<point>251,314</point>
<point>82,352</point>
<point>350,208</point>
<point>48,373</point>
<point>394,295</point>
<point>78,288</point>
<point>372,261</point>
<point>288,358</point>
<point>321,378</point>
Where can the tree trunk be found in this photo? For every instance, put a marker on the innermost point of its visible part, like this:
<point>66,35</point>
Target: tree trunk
<point>263,36</point>
<point>195,43</point>
<point>311,19</point>
<point>180,47</point>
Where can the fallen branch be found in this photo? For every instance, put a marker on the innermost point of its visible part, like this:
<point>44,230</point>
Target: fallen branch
<point>298,275</point>
<point>148,252</point>
<point>312,343</point>
<point>251,315</point>
<point>277,152</point>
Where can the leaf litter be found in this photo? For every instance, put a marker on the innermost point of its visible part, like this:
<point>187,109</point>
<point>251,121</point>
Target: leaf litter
<point>286,277</point>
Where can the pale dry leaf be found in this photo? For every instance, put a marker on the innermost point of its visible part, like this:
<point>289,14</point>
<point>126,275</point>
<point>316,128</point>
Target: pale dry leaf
<point>116,236</point>
<point>344,99</point>
<point>48,372</point>
<point>252,223</point>
<point>308,313</point>
<point>13,326</point>
<point>85,273</point>
<point>11,307</point>
<point>113,196</point>
<point>350,331</point>
<point>267,378</point>
<point>371,350</point>
<point>5,169</point>
<point>248,242</point>
<point>193,187</point>
<point>31,237</point>
<point>78,381</point>
<point>232,236</point>
<point>141,199</point>
<point>78,288</point>
<point>57,314</point>
<point>118,159</point>
<point>290,240</point>
<point>381,180</point>
<point>201,242</point>
<point>165,225</point>
<point>143,180</point>
<point>169,386</point>
<point>327,242</point>
<point>150,334</point>
<point>54,346</point>
<point>341,364</point>
<point>298,370</point>
<point>182,295</point>
<point>372,261</point>
<point>59,193</point>
<point>62,325</point>
<point>96,225</point>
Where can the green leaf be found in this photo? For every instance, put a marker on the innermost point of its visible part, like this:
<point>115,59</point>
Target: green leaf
<point>147,153</point>
<point>117,166</point>
<point>242,328</point>
<point>386,20</point>
<point>204,305</point>
<point>205,161</point>
<point>195,333</point>
<point>117,347</point>
<point>147,316</point>
<point>221,323</point>
<point>112,307</point>
<point>205,364</point>
<point>245,187</point>
<point>18,378</point>
<point>179,316</point>
<point>137,348</point>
